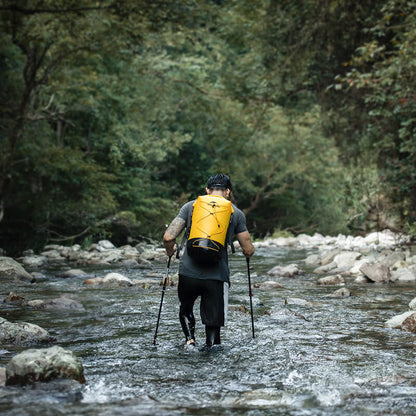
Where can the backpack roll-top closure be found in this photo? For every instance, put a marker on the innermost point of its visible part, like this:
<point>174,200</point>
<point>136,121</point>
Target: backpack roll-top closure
<point>210,220</point>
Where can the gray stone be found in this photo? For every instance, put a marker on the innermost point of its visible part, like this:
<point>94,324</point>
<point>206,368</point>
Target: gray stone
<point>72,273</point>
<point>298,302</point>
<point>290,270</point>
<point>336,279</point>
<point>378,272</point>
<point>11,270</point>
<point>22,333</point>
<point>33,261</point>
<point>62,303</point>
<point>341,293</point>
<point>269,284</point>
<point>325,268</point>
<point>43,365</point>
<point>346,259</point>
<point>404,275</point>
<point>313,259</point>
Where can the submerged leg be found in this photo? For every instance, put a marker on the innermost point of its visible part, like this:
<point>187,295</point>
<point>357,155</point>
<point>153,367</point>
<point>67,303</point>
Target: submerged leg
<point>213,335</point>
<point>187,320</point>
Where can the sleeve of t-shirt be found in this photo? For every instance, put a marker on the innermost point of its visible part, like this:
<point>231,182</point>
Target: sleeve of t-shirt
<point>241,225</point>
<point>184,211</point>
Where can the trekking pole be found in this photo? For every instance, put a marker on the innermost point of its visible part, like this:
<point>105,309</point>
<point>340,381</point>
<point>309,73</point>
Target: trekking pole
<point>250,293</point>
<point>161,301</point>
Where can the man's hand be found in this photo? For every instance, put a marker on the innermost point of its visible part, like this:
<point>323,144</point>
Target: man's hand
<point>171,248</point>
<point>174,229</point>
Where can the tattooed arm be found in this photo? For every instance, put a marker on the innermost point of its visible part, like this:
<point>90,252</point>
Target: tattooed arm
<point>174,229</point>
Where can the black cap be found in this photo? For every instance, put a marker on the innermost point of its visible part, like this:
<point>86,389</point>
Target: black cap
<point>219,181</point>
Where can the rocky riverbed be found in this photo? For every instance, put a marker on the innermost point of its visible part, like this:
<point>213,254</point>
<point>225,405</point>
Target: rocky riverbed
<point>339,265</point>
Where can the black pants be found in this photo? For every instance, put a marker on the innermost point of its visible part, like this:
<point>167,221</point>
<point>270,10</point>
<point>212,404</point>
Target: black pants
<point>214,299</point>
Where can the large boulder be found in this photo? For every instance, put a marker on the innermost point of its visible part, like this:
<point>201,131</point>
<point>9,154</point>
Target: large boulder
<point>378,272</point>
<point>11,270</point>
<point>22,333</point>
<point>43,365</point>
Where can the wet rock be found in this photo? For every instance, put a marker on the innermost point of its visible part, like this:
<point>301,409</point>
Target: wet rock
<point>341,293</point>
<point>286,314</point>
<point>389,258</point>
<point>385,239</point>
<point>72,273</point>
<point>239,308</point>
<point>328,256</point>
<point>11,270</point>
<point>118,279</point>
<point>130,252</point>
<point>153,254</point>
<point>336,279</point>
<point>313,259</point>
<point>130,264</point>
<point>361,279</point>
<point>62,303</point>
<point>298,302</point>
<point>22,333</point>
<point>355,269</point>
<point>401,264</point>
<point>269,284</point>
<point>105,245</point>
<point>346,259</point>
<point>409,324</point>
<point>325,268</point>
<point>33,261</point>
<point>38,276</point>
<point>290,270</point>
<point>110,279</point>
<point>43,365</point>
<point>15,299</point>
<point>378,272</point>
<point>396,321</point>
<point>404,275</point>
<point>102,253</point>
<point>53,255</point>
<point>144,283</point>
<point>93,281</point>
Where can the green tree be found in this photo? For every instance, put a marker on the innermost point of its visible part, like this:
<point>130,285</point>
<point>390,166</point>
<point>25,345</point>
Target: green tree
<point>380,81</point>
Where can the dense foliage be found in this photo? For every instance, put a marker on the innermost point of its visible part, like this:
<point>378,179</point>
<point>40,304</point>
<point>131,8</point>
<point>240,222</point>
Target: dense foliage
<point>113,113</point>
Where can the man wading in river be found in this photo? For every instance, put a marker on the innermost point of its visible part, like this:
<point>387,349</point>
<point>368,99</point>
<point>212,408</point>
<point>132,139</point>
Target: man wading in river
<point>211,221</point>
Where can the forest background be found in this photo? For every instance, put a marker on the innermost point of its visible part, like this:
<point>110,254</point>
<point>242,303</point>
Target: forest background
<point>114,113</point>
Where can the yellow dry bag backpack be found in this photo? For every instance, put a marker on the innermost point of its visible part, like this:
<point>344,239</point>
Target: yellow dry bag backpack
<point>207,235</point>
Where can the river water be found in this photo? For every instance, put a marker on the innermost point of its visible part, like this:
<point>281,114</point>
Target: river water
<point>330,357</point>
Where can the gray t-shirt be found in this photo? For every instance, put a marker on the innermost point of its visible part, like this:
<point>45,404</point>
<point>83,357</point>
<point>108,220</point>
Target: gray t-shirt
<point>189,267</point>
